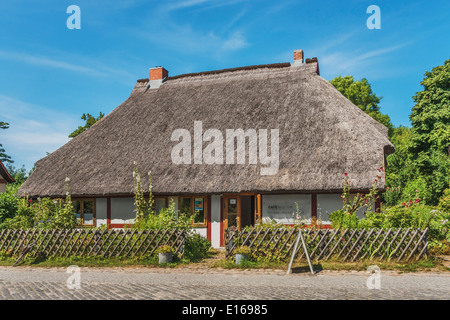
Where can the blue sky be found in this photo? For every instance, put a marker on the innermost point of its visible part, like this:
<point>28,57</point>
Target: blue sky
<point>50,75</point>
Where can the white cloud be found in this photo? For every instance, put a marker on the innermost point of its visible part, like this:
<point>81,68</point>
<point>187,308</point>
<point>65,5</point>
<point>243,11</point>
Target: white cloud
<point>184,4</point>
<point>166,31</point>
<point>98,71</point>
<point>200,4</point>
<point>234,42</point>
<point>354,61</point>
<point>343,54</point>
<point>33,130</point>
<point>42,61</point>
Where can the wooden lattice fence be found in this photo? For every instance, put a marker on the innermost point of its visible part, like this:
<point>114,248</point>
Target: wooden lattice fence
<point>91,242</point>
<point>341,244</point>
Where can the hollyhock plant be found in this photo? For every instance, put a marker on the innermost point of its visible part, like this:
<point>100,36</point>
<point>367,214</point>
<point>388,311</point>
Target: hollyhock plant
<point>360,200</point>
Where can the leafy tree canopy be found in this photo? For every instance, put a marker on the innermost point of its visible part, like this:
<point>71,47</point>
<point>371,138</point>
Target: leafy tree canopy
<point>3,156</point>
<point>421,162</point>
<point>19,174</point>
<point>430,116</point>
<point>90,120</point>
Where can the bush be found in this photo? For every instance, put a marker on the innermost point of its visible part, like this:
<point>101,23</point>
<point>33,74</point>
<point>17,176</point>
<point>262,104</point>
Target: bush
<point>416,189</point>
<point>196,246</point>
<point>343,219</point>
<point>8,204</point>
<point>44,213</point>
<point>168,218</point>
<point>415,216</point>
<point>444,202</point>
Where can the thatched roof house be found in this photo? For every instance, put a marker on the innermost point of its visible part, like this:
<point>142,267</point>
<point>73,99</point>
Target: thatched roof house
<point>5,177</point>
<point>322,135</point>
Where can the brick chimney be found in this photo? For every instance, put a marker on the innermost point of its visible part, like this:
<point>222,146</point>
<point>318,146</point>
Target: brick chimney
<point>158,75</point>
<point>298,58</point>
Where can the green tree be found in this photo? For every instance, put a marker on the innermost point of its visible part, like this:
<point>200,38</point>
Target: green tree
<point>430,133</point>
<point>19,174</point>
<point>90,120</point>
<point>3,156</point>
<point>361,94</point>
<point>430,116</point>
<point>400,169</point>
<point>420,166</point>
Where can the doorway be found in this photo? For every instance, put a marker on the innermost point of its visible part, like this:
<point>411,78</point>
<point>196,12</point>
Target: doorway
<point>239,211</point>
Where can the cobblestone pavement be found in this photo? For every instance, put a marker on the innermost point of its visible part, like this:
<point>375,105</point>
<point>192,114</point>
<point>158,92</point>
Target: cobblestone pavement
<point>142,283</point>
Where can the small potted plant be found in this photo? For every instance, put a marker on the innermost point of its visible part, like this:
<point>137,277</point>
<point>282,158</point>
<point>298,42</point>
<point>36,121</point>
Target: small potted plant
<point>242,254</point>
<point>165,254</point>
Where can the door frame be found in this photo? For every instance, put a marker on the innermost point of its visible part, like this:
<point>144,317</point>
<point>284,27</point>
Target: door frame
<point>224,211</point>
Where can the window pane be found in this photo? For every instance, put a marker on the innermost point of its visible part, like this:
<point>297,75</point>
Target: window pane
<point>232,220</point>
<point>200,209</point>
<point>232,212</point>
<point>160,204</point>
<point>88,212</point>
<point>186,206</point>
<point>77,209</point>
<point>232,205</point>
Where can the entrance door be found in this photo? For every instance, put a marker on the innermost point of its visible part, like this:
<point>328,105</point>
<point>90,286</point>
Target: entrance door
<point>231,212</point>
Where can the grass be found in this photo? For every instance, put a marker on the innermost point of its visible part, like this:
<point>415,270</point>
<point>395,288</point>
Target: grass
<point>216,259</point>
<point>429,264</point>
<point>230,264</point>
<point>89,262</point>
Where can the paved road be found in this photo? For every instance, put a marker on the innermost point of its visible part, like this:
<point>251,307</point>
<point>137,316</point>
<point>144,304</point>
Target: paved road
<point>29,283</point>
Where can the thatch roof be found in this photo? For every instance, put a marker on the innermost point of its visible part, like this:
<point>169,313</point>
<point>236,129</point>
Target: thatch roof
<point>4,174</point>
<point>322,136</point>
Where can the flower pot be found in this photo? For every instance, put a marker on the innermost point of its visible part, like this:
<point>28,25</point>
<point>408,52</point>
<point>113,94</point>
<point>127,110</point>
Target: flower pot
<point>165,257</point>
<point>240,258</point>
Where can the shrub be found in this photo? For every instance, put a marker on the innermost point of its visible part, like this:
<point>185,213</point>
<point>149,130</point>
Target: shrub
<point>168,218</point>
<point>343,219</point>
<point>8,204</point>
<point>415,216</point>
<point>444,202</point>
<point>147,218</point>
<point>196,246</point>
<point>44,213</point>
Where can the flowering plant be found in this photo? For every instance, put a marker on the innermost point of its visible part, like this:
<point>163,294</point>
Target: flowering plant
<point>350,206</point>
<point>165,249</point>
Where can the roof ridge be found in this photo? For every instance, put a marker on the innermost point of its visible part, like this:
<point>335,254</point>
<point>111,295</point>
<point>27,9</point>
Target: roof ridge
<point>213,72</point>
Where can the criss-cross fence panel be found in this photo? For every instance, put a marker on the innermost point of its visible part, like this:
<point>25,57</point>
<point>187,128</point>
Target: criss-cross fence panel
<point>325,244</point>
<point>91,242</point>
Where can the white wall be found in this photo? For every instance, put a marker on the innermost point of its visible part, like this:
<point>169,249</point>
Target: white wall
<point>215,221</point>
<point>282,207</point>
<point>328,203</point>
<point>100,211</point>
<point>122,210</point>
<point>201,231</point>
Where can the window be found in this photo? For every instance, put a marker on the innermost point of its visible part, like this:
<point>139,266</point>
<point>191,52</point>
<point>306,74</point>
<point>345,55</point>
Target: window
<point>160,204</point>
<point>191,205</point>
<point>85,211</point>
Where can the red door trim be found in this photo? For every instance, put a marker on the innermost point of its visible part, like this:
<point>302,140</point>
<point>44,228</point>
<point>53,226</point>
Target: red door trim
<point>208,218</point>
<point>221,222</point>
